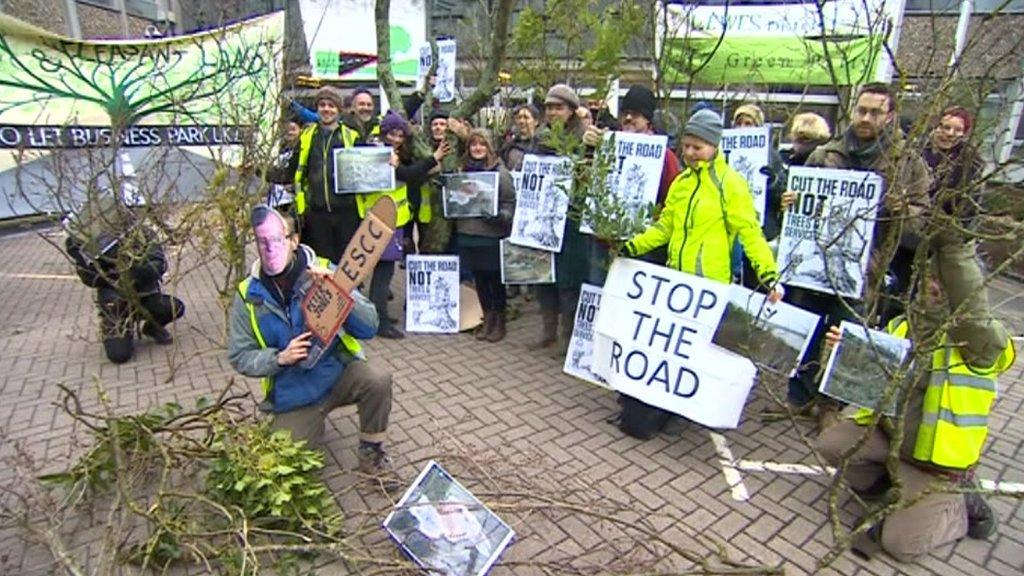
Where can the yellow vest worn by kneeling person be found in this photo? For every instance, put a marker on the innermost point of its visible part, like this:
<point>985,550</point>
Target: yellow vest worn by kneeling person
<point>957,402</point>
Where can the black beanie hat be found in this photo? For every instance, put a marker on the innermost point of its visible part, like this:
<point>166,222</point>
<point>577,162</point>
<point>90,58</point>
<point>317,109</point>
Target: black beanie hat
<point>436,115</point>
<point>639,99</point>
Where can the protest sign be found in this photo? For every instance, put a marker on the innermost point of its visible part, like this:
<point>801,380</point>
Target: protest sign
<point>748,150</point>
<point>581,346</point>
<point>363,169</point>
<point>328,302</point>
<point>444,89</point>
<point>522,265</point>
<point>635,174</point>
<point>470,195</point>
<point>654,331</point>
<point>444,528</point>
<point>542,204</point>
<point>432,294</point>
<point>863,365</point>
<point>773,336</point>
<point>826,233</point>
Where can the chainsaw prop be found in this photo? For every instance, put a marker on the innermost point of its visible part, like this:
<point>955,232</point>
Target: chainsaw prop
<point>328,301</point>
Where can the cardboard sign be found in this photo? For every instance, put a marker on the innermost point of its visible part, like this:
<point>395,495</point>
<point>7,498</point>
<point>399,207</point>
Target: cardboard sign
<point>325,307</point>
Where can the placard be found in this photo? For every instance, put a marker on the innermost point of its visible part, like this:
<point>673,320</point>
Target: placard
<point>580,356</point>
<point>363,169</point>
<point>542,203</point>
<point>748,150</point>
<point>432,294</point>
<point>470,195</point>
<point>522,265</point>
<point>635,175</point>
<point>861,365</point>
<point>444,88</point>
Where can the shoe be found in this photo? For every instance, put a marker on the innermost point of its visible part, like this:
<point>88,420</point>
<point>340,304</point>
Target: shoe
<point>375,462</point>
<point>158,333</point>
<point>497,331</point>
<point>877,491</point>
<point>828,416</point>
<point>481,331</point>
<point>390,332</point>
<point>981,519</point>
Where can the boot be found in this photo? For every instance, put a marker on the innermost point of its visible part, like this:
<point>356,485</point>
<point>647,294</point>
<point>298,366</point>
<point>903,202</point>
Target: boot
<point>481,331</point>
<point>497,331</point>
<point>548,330</point>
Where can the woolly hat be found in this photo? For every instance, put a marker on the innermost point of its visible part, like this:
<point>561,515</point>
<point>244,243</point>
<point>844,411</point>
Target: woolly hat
<point>331,94</point>
<point>639,99</point>
<point>562,94</point>
<point>529,108</point>
<point>391,122</point>
<point>706,125</point>
<point>961,113</point>
<point>361,90</point>
<point>437,115</point>
<point>752,111</point>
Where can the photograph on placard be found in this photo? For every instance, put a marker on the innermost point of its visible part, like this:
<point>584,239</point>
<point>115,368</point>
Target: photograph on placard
<point>862,365</point>
<point>432,294</point>
<point>470,195</point>
<point>444,528</point>
<point>363,169</point>
<point>579,358</point>
<point>522,265</point>
<point>542,202</point>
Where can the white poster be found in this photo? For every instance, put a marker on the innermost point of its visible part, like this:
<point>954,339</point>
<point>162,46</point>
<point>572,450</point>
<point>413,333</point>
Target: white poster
<point>826,233</point>
<point>654,331</point>
<point>542,203</point>
<point>748,150</point>
<point>522,265</point>
<point>444,89</point>
<point>432,294</point>
<point>863,365</point>
<point>363,169</point>
<point>581,346</point>
<point>635,177</point>
<point>470,194</point>
<point>342,38</point>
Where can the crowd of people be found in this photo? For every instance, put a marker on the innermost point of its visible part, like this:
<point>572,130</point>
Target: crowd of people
<point>707,225</point>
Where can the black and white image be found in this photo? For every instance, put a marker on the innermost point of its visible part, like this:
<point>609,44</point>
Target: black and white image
<point>580,358</point>
<point>635,175</point>
<point>542,202</point>
<point>444,528</point>
<point>522,265</point>
<point>444,88</point>
<point>863,366</point>
<point>470,195</point>
<point>748,150</point>
<point>432,294</point>
<point>363,169</point>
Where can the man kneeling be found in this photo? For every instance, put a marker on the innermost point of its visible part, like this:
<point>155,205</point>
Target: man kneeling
<point>269,339</point>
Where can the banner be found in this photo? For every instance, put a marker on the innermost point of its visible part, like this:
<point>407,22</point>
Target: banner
<point>342,38</point>
<point>192,98</point>
<point>826,233</point>
<point>432,294</point>
<point>863,365</point>
<point>542,202</point>
<point>444,89</point>
<point>748,150</point>
<point>794,42</point>
<point>522,265</point>
<point>635,177</point>
<point>470,195</point>
<point>654,331</point>
<point>363,169</point>
<point>579,359</point>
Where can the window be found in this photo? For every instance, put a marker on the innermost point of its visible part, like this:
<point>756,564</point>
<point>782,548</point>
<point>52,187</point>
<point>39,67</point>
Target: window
<point>953,6</point>
<point>142,8</point>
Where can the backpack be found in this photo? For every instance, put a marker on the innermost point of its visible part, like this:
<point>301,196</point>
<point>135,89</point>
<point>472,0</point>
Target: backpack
<point>641,420</point>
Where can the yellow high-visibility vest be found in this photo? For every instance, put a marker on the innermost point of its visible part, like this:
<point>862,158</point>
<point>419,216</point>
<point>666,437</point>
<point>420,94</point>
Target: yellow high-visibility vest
<point>401,197</point>
<point>348,140</point>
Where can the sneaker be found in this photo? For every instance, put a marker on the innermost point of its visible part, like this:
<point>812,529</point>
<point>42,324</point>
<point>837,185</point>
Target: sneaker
<point>158,333</point>
<point>981,519</point>
<point>376,463</point>
<point>390,332</point>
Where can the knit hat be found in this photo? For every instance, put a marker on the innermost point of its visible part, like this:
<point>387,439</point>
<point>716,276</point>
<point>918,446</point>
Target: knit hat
<point>752,111</point>
<point>961,113</point>
<point>639,99</point>
<point>361,90</point>
<point>562,94</point>
<point>436,115</point>
<point>706,125</point>
<point>331,94</point>
<point>529,108</point>
<point>391,122</point>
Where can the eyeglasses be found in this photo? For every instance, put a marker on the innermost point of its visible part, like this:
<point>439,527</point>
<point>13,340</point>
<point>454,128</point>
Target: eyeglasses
<point>869,112</point>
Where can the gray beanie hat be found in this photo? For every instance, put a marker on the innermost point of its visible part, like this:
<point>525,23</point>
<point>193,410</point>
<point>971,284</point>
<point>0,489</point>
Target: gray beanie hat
<point>562,94</point>
<point>706,125</point>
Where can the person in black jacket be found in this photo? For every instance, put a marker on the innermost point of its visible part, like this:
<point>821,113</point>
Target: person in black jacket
<point>124,263</point>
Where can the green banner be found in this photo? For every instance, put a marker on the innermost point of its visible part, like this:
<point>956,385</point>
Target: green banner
<point>772,60</point>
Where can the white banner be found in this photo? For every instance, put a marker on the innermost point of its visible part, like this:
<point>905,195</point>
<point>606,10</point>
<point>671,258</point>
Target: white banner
<point>747,151</point>
<point>636,174</point>
<point>444,89</point>
<point>827,232</point>
<point>432,294</point>
<point>581,346</point>
<point>542,202</point>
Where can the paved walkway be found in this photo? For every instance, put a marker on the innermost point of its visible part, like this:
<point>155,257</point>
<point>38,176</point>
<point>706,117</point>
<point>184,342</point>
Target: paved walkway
<point>501,419</point>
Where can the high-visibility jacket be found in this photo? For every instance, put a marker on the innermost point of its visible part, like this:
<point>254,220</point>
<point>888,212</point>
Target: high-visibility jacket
<point>348,140</point>
<point>957,402</point>
<point>401,197</point>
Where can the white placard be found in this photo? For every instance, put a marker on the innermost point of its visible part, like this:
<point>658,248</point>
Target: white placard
<point>444,89</point>
<point>826,234</point>
<point>635,177</point>
<point>432,294</point>
<point>363,169</point>
<point>581,346</point>
<point>748,150</point>
<point>470,195</point>
<point>862,365</point>
<point>542,203</point>
<point>522,265</point>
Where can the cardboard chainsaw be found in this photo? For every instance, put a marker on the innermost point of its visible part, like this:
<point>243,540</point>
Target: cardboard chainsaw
<point>328,301</point>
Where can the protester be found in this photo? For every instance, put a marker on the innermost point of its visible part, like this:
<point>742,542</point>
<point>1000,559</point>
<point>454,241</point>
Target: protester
<point>268,339</point>
<point>751,116</point>
<point>956,167</point>
<point>329,219</point>
<point>807,131</point>
<point>477,239</point>
<point>115,253</point>
<point>871,143</point>
<point>524,137</point>
<point>946,418</point>
<point>362,113</point>
<point>438,127</point>
<point>281,194</point>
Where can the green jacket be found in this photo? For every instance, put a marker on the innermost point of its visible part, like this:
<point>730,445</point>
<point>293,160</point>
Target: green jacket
<point>707,208</point>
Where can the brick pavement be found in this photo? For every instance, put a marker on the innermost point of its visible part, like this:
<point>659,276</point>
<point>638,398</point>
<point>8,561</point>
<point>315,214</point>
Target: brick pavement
<point>495,403</point>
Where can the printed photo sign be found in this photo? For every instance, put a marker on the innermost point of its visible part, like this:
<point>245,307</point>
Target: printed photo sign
<point>861,367</point>
<point>363,169</point>
<point>542,203</point>
<point>432,294</point>
<point>470,195</point>
<point>522,265</point>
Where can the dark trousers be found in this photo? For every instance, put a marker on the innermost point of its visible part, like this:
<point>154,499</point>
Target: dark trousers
<point>561,300</point>
<point>118,319</point>
<point>380,290</point>
<point>328,233</point>
<point>490,290</point>
<point>804,385</point>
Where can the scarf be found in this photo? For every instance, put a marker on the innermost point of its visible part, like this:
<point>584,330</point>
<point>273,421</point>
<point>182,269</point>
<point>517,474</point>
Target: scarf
<point>864,154</point>
<point>282,286</point>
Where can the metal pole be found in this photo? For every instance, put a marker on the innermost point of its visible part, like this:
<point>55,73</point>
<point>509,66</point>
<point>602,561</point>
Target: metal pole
<point>966,8</point>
